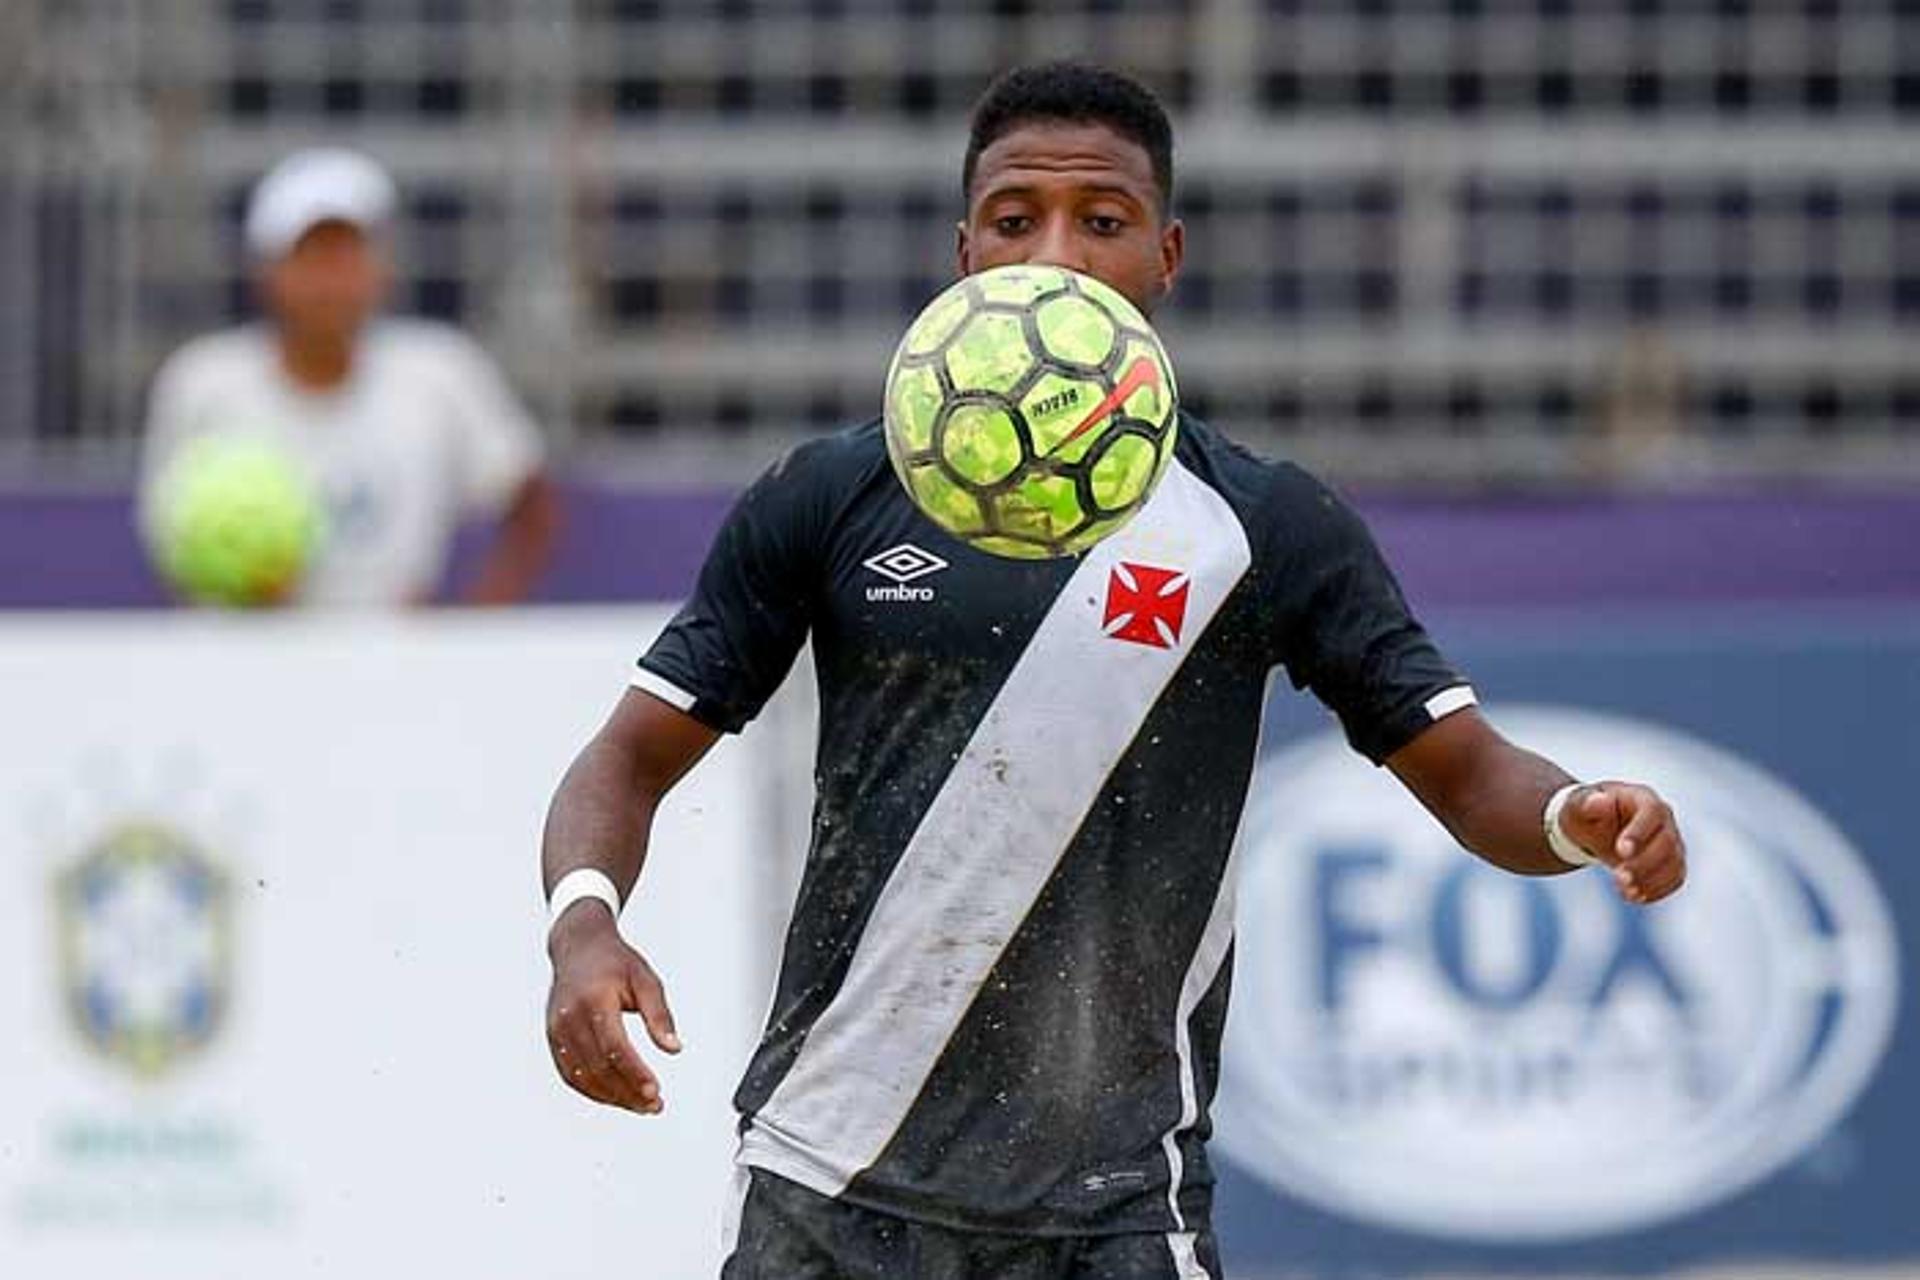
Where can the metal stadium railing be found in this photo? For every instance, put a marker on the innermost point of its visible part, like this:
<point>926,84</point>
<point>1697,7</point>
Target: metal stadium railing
<point>1460,244</point>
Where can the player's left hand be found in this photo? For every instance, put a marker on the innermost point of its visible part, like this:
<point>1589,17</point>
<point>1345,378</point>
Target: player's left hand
<point>1633,831</point>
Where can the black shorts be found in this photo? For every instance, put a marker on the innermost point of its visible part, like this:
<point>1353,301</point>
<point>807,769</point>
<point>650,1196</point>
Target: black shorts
<point>787,1232</point>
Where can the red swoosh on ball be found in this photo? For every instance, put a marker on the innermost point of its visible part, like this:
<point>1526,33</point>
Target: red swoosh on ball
<point>1143,373</point>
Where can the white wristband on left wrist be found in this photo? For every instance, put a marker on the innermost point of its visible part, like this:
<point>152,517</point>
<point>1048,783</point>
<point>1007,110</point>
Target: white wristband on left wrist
<point>1558,840</point>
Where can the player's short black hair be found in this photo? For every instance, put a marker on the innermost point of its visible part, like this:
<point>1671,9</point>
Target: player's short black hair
<point>1073,93</point>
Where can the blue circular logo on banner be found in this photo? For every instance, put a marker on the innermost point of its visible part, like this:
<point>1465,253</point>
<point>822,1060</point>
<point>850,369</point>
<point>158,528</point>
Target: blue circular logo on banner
<point>1426,1042</point>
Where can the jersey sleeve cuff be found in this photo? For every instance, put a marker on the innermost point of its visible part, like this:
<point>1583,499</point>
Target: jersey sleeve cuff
<point>662,688</point>
<point>712,712</point>
<point>1392,732</point>
<point>1447,701</point>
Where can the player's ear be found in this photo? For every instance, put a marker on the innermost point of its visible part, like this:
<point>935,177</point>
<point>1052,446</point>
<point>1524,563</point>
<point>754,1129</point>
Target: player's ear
<point>1173,252</point>
<point>962,249</point>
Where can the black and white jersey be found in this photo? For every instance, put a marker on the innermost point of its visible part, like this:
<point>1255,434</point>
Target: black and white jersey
<point>1002,993</point>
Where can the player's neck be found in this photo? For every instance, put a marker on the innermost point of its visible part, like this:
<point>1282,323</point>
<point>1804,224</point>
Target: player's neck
<point>316,362</point>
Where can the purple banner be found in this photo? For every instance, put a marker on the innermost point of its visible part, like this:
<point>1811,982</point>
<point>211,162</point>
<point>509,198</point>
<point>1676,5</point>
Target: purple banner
<point>78,550</point>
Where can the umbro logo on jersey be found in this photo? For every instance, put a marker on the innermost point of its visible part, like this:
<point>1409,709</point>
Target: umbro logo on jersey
<point>1146,605</point>
<point>901,565</point>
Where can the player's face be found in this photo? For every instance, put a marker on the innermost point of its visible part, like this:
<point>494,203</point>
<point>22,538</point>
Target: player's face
<point>329,284</point>
<point>1072,195</point>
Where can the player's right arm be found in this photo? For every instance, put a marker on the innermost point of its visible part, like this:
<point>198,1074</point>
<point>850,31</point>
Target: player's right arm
<point>600,818</point>
<point>709,672</point>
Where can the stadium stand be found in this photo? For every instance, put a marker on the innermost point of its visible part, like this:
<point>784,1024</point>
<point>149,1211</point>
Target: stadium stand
<point>1454,244</point>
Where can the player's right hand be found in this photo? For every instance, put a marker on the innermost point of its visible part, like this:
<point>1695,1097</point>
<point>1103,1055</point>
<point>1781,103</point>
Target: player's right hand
<point>597,980</point>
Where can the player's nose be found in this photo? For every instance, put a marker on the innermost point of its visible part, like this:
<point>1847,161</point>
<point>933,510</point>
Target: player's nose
<point>1059,246</point>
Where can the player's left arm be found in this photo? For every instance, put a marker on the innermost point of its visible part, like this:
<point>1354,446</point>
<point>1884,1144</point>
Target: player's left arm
<point>1492,796</point>
<point>503,472</point>
<point>522,546</point>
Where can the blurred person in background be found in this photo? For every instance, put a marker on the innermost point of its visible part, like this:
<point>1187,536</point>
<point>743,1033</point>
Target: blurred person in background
<point>406,427</point>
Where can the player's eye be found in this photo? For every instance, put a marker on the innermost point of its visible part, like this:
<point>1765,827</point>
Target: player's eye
<point>1013,224</point>
<point>1105,224</point>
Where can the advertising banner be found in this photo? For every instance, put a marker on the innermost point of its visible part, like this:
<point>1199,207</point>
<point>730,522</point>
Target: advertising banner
<point>1435,1067</point>
<point>273,939</point>
<point>274,943</point>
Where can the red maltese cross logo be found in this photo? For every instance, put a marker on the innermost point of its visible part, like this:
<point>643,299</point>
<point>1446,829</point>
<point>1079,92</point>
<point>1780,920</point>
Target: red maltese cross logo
<point>1146,605</point>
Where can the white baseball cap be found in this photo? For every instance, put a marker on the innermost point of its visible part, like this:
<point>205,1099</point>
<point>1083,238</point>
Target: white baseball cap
<point>325,184</point>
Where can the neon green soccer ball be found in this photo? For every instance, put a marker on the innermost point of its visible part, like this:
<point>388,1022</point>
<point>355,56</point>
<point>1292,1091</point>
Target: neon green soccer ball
<point>1030,411</point>
<point>234,522</point>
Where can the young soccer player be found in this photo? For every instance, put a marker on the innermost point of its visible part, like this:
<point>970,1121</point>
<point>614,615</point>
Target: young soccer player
<point>997,1025</point>
<point>408,427</point>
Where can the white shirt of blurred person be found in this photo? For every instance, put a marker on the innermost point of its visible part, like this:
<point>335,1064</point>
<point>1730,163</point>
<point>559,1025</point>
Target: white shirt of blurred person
<point>407,426</point>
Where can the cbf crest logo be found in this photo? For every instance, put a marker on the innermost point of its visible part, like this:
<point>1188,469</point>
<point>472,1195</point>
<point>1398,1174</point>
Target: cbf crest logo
<point>145,927</point>
<point>1426,1042</point>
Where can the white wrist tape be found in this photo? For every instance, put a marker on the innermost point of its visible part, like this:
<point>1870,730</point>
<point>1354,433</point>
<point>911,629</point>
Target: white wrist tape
<point>1559,841</point>
<point>577,885</point>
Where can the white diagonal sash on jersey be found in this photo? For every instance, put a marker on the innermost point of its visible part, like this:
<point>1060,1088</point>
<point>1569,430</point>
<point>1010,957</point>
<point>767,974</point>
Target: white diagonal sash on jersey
<point>988,844</point>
